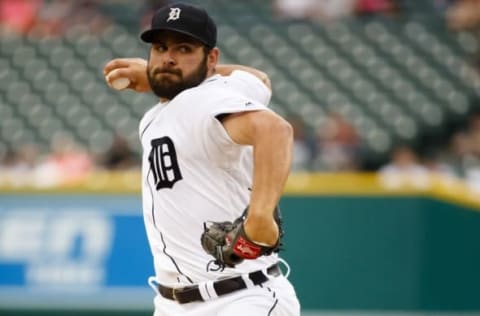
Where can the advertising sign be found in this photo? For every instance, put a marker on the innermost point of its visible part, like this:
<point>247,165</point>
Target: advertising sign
<point>73,251</point>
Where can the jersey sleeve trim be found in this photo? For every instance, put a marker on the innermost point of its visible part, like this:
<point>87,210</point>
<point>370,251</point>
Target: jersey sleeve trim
<point>219,134</point>
<point>248,106</point>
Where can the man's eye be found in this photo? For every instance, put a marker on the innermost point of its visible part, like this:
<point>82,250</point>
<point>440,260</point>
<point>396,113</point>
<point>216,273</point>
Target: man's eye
<point>184,49</point>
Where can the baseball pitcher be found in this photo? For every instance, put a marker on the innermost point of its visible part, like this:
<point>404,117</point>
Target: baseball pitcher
<point>215,162</point>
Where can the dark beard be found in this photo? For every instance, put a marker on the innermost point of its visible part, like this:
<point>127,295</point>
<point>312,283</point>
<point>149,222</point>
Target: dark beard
<point>165,88</point>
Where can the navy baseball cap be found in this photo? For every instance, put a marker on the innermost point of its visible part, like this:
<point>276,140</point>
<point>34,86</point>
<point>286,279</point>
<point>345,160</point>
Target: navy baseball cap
<point>183,18</point>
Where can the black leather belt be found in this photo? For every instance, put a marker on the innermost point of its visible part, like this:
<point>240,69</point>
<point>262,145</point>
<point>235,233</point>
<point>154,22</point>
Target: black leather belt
<point>192,293</point>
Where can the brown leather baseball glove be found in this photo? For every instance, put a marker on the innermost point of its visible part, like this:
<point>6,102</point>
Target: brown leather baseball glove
<point>229,245</point>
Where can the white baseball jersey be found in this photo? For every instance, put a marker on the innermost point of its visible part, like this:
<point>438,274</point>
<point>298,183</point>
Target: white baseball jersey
<point>194,173</point>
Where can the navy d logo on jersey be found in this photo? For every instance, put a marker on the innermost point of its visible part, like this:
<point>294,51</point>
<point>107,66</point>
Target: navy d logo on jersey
<point>163,163</point>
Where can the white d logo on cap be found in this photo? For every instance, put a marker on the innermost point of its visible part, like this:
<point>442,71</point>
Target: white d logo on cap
<point>174,14</point>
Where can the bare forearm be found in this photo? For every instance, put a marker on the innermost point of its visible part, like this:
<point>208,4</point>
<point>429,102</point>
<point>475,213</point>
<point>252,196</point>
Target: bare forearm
<point>272,159</point>
<point>272,164</point>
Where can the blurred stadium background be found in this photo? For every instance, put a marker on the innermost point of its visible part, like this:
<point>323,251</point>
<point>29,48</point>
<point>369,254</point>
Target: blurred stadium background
<point>384,99</point>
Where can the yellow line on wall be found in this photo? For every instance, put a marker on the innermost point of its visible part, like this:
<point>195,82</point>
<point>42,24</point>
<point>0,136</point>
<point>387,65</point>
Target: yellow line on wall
<point>299,184</point>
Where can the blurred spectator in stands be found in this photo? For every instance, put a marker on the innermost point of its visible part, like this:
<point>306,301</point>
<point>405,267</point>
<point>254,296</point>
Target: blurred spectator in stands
<point>463,14</point>
<point>433,162</point>
<point>303,145</point>
<point>8,167</point>
<point>55,17</point>
<point>296,9</point>
<point>442,5</point>
<point>51,17</point>
<point>119,156</point>
<point>472,161</point>
<point>87,13</point>
<point>18,16</point>
<point>474,132</point>
<point>404,170</point>
<point>338,145</point>
<point>373,7</point>
<point>18,167</point>
<point>476,67</point>
<point>468,159</point>
<point>325,10</point>
<point>66,164</point>
<point>460,156</point>
<point>328,10</point>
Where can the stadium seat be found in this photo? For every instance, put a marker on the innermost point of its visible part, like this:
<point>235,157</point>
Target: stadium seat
<point>394,79</point>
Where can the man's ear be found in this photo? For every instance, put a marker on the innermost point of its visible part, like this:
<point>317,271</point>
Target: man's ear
<point>212,59</point>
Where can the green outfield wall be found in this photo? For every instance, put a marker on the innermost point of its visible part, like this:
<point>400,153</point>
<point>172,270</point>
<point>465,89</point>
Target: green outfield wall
<point>354,246</point>
<point>377,253</point>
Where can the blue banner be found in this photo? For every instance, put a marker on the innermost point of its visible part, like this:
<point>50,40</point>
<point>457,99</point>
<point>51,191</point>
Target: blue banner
<point>73,251</point>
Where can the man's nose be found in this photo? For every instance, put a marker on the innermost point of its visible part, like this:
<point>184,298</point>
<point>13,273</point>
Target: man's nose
<point>168,60</point>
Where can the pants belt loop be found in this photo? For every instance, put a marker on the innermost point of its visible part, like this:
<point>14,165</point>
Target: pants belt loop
<point>248,281</point>
<point>152,282</point>
<point>211,289</point>
<point>269,277</point>
<point>202,287</point>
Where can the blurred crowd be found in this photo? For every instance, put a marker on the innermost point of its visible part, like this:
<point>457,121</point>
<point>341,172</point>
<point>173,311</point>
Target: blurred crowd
<point>463,14</point>
<point>54,17</point>
<point>49,17</point>
<point>66,162</point>
<point>459,158</point>
<point>334,146</point>
<point>328,10</point>
<point>459,14</point>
